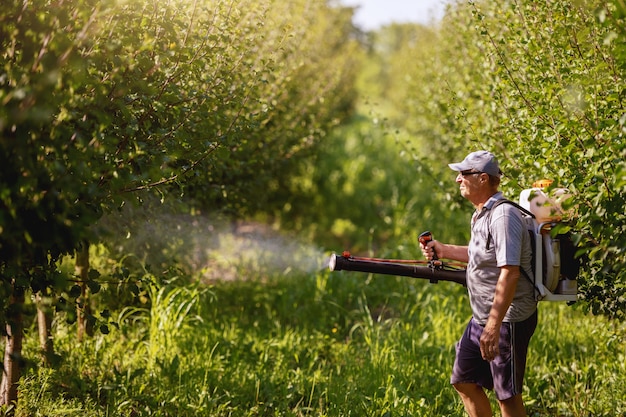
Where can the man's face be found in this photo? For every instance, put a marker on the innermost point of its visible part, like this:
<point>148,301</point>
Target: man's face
<point>469,184</point>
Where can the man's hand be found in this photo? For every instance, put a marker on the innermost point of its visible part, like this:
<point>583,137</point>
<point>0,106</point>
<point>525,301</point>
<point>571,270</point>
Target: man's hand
<point>490,341</point>
<point>430,249</point>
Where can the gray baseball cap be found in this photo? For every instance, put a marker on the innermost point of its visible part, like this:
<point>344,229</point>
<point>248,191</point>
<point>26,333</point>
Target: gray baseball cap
<point>481,161</point>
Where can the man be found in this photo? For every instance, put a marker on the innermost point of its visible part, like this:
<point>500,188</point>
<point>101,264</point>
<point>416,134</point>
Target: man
<point>492,352</point>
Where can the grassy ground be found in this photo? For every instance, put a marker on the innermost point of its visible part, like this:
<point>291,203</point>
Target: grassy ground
<point>336,344</point>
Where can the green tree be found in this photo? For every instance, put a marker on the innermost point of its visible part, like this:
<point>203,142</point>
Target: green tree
<point>103,102</point>
<point>540,84</point>
<point>303,64</point>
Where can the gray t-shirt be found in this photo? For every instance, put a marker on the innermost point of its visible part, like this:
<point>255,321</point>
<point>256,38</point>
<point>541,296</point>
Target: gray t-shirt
<point>509,245</point>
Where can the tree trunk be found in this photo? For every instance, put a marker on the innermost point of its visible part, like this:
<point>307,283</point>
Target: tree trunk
<point>83,308</point>
<point>13,349</point>
<point>44,323</point>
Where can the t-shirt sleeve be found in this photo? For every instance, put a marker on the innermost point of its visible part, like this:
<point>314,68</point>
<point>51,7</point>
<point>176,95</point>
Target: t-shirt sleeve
<point>507,229</point>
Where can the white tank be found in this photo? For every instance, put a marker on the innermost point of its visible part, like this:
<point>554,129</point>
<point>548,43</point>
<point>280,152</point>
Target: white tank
<point>545,208</point>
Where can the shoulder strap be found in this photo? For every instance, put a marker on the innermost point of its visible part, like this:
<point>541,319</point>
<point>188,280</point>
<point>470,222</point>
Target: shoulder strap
<point>496,204</point>
<point>524,211</point>
<point>504,201</point>
<point>513,203</point>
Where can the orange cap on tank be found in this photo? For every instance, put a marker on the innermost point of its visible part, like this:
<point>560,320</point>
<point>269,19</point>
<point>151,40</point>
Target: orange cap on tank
<point>544,183</point>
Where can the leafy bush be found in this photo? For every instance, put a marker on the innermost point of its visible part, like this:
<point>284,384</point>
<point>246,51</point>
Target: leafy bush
<point>541,85</point>
<point>103,100</point>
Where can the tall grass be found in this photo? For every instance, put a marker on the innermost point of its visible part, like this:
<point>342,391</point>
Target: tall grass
<point>163,323</point>
<point>340,344</point>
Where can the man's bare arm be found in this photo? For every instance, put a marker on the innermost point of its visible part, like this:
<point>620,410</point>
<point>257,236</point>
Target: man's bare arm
<point>505,291</point>
<point>445,251</point>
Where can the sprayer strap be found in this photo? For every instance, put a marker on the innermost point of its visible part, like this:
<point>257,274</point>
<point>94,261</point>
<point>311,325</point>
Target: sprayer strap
<point>530,232</point>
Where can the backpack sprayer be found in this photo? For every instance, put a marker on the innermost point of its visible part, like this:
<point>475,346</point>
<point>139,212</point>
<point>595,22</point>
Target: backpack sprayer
<point>555,264</point>
<point>555,267</point>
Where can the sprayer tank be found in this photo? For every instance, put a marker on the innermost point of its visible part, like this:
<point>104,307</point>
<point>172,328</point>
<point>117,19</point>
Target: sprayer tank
<point>545,208</point>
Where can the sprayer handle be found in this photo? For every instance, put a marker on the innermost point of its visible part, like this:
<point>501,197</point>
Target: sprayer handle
<point>426,237</point>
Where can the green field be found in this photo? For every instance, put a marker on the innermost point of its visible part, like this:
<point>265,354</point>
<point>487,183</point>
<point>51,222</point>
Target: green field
<point>325,344</point>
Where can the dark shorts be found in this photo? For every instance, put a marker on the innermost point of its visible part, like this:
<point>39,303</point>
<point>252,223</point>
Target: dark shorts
<point>505,374</point>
